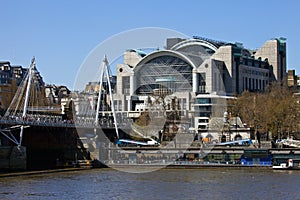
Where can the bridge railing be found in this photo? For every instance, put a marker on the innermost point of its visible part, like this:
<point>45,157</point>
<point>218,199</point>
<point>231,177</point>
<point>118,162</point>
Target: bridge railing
<point>56,122</point>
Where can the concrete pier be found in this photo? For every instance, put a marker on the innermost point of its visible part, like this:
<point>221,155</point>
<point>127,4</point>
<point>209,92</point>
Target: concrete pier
<point>13,157</point>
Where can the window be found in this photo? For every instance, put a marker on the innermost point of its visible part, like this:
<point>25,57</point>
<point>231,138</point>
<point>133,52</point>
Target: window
<point>203,101</point>
<point>184,106</point>
<point>126,85</point>
<point>202,83</point>
<point>167,67</point>
<point>204,114</point>
<point>257,86</point>
<point>250,63</point>
<point>203,121</point>
<point>201,126</point>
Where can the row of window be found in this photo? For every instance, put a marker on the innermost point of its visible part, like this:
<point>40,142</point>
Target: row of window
<point>4,76</point>
<point>181,101</point>
<point>254,84</point>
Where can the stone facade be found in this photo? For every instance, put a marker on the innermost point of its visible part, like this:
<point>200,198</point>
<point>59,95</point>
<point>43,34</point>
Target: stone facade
<point>210,67</point>
<point>274,51</point>
<point>292,78</point>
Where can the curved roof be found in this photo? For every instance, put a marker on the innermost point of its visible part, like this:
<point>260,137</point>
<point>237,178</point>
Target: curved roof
<point>160,53</point>
<point>198,42</point>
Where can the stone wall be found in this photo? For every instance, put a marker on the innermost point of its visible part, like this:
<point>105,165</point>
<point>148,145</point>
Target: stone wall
<point>12,158</point>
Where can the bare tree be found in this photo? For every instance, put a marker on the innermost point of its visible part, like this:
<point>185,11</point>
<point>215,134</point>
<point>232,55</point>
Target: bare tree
<point>276,110</point>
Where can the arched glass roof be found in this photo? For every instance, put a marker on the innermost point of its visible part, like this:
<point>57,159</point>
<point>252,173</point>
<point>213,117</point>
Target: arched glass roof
<point>163,69</point>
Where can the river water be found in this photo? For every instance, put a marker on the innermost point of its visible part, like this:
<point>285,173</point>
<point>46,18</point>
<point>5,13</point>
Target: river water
<point>220,183</point>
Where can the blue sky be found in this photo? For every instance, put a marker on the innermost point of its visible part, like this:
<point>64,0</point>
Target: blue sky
<point>61,34</point>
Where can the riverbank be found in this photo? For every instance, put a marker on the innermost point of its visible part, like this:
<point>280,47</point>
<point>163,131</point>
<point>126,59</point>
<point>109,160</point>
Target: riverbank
<point>133,167</point>
<point>37,172</point>
<point>186,166</point>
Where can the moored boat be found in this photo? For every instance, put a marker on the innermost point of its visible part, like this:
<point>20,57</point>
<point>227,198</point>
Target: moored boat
<point>291,164</point>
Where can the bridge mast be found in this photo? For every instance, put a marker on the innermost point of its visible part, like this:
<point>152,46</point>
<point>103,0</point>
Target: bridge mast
<point>25,108</point>
<point>105,73</point>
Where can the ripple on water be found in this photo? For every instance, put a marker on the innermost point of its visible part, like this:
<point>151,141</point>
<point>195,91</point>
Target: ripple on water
<point>162,184</point>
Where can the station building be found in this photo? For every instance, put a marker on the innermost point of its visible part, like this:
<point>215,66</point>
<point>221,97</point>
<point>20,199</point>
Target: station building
<point>199,73</point>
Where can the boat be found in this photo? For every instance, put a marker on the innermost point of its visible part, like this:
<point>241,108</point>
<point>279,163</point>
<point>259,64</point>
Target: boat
<point>146,142</point>
<point>291,164</point>
<point>242,142</point>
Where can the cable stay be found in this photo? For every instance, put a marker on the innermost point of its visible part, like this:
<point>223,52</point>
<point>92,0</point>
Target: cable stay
<point>16,105</point>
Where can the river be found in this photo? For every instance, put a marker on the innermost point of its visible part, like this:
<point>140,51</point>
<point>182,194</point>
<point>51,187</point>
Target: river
<point>220,183</point>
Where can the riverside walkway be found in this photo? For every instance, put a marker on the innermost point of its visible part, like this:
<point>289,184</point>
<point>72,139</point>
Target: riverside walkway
<point>56,121</point>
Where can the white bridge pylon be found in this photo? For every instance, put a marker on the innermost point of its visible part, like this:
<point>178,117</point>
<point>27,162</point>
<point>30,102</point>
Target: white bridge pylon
<point>7,131</point>
<point>27,98</point>
<point>104,75</point>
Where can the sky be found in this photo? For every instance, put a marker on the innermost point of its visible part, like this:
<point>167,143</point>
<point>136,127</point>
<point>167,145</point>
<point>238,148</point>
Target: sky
<point>61,34</point>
